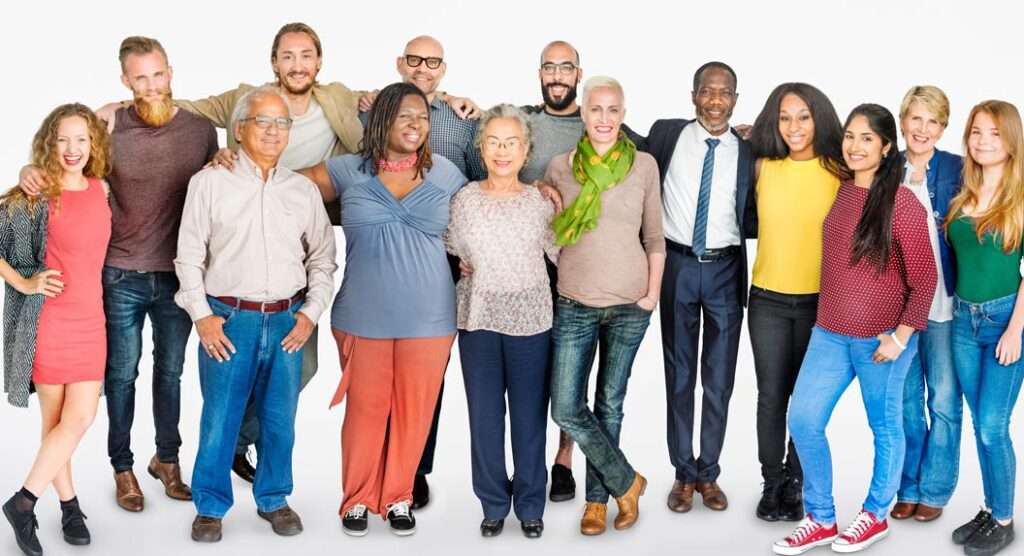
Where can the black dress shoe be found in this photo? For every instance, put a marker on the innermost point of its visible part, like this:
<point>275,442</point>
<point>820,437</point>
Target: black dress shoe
<point>491,527</point>
<point>967,530</point>
<point>24,525</point>
<point>243,467</point>
<point>990,539</point>
<point>791,504</point>
<point>72,522</point>
<point>563,486</point>
<point>420,492</point>
<point>771,497</point>
<point>533,528</point>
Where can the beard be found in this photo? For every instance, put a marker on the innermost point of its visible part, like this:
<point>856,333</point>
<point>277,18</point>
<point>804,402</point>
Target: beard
<point>300,90</point>
<point>155,113</point>
<point>558,105</point>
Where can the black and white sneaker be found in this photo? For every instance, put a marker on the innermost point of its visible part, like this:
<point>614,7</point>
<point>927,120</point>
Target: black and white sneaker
<point>401,519</point>
<point>354,522</point>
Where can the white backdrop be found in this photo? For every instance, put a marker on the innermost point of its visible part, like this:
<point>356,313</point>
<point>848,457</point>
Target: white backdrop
<point>58,51</point>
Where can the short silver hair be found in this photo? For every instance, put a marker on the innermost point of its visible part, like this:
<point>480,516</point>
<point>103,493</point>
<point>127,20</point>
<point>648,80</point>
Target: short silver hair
<point>244,105</point>
<point>505,111</point>
<point>601,82</point>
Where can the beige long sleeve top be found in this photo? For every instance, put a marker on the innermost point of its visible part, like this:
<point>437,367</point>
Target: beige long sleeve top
<point>260,241</point>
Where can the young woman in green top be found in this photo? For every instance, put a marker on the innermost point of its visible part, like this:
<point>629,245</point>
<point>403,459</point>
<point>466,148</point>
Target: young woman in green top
<point>985,227</point>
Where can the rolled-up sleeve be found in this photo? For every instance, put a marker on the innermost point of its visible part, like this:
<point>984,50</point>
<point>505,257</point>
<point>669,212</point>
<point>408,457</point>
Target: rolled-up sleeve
<point>320,259</point>
<point>193,240</point>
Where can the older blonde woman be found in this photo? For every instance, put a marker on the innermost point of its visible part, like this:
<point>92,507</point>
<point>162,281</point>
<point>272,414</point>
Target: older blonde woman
<point>609,281</point>
<point>501,228</point>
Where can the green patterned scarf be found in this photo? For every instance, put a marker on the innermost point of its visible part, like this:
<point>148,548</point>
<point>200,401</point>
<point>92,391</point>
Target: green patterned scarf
<point>596,174</point>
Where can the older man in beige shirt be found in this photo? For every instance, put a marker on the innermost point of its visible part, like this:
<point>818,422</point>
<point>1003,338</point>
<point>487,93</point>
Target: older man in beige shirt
<point>256,263</point>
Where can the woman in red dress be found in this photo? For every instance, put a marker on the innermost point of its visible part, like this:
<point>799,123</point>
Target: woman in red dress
<point>51,256</point>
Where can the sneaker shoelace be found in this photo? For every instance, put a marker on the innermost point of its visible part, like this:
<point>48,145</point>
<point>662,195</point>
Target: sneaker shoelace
<point>356,512</point>
<point>803,531</point>
<point>29,526</point>
<point>75,518</point>
<point>988,528</point>
<point>860,525</point>
<point>399,509</point>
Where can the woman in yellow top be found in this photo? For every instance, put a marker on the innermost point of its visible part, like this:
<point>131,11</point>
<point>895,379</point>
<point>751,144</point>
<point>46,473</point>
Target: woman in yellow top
<point>797,139</point>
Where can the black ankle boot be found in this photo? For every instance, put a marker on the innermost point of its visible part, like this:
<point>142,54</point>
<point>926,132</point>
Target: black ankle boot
<point>24,525</point>
<point>72,521</point>
<point>791,505</point>
<point>771,497</point>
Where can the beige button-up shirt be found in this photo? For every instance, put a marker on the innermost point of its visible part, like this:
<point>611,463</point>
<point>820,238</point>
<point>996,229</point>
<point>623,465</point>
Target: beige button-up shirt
<point>260,241</point>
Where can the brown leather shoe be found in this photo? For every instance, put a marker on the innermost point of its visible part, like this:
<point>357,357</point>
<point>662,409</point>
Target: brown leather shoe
<point>903,510</point>
<point>680,498</point>
<point>170,475</point>
<point>284,521</point>
<point>129,495</point>
<point>595,519</point>
<point>927,513</point>
<point>713,496</point>
<point>629,503</point>
<point>206,529</point>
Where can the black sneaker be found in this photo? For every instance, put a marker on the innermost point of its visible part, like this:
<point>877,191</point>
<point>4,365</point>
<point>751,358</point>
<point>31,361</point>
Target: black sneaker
<point>771,496</point>
<point>791,504</point>
<point>990,539</point>
<point>401,519</point>
<point>967,530</point>
<point>72,521</point>
<point>420,492</point>
<point>24,525</point>
<point>354,522</point>
<point>563,486</point>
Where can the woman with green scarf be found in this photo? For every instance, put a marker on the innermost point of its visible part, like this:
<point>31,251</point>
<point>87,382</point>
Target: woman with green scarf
<point>609,281</point>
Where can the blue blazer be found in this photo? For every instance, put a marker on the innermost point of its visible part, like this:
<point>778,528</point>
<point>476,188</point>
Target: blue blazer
<point>661,144</point>
<point>944,178</point>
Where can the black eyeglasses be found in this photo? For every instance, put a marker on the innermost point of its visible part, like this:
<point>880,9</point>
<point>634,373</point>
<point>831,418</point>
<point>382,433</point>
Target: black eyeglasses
<point>414,61</point>
<point>565,68</point>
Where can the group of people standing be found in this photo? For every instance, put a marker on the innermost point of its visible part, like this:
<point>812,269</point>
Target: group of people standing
<point>541,237</point>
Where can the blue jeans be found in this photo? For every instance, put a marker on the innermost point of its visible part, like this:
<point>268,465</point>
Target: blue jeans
<point>262,369</point>
<point>991,391</point>
<point>577,331</point>
<point>495,365</point>
<point>830,365</point>
<point>932,463</point>
<point>128,296</point>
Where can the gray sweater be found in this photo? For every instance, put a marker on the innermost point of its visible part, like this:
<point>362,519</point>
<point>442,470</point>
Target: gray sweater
<point>551,135</point>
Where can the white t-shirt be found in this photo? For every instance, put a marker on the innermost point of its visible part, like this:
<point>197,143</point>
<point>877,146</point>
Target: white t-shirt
<point>942,304</point>
<point>311,140</point>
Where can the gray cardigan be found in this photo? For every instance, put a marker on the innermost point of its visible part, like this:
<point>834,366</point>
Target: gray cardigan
<point>23,246</point>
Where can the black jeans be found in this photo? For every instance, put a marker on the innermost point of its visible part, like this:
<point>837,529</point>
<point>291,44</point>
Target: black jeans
<point>780,329</point>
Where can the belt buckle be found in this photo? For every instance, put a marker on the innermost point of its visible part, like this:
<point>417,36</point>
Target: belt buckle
<point>701,259</point>
<point>263,306</point>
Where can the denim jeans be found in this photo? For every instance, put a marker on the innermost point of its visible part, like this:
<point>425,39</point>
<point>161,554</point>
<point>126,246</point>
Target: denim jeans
<point>991,391</point>
<point>932,463</point>
<point>576,334</point>
<point>261,369</point>
<point>128,297</point>
<point>495,366</point>
<point>832,362</point>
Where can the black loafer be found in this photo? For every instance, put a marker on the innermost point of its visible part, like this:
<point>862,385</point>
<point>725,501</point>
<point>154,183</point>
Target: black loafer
<point>491,527</point>
<point>533,528</point>
<point>420,492</point>
<point>563,486</point>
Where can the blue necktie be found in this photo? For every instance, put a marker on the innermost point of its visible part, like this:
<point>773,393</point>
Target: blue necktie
<point>700,225</point>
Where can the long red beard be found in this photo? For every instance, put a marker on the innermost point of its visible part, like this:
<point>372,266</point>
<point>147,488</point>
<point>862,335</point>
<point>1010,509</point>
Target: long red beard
<point>155,113</point>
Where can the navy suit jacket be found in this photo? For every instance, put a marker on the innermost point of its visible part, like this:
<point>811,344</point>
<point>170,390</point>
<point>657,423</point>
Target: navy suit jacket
<point>661,144</point>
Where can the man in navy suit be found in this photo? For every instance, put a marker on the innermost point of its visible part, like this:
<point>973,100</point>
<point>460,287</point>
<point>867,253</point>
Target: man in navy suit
<point>709,212</point>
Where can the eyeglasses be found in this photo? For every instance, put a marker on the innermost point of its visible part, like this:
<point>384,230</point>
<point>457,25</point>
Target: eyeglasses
<point>565,68</point>
<point>511,143</point>
<point>414,61</point>
<point>264,122</point>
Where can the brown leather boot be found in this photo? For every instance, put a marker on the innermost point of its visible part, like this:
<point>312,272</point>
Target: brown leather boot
<point>713,496</point>
<point>206,529</point>
<point>680,498</point>
<point>129,495</point>
<point>170,475</point>
<point>927,513</point>
<point>595,519</point>
<point>629,503</point>
<point>903,510</point>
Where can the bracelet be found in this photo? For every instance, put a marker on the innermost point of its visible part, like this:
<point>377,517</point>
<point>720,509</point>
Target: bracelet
<point>901,345</point>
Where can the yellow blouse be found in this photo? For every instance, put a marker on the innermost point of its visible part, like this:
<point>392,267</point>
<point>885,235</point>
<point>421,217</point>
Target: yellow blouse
<point>793,198</point>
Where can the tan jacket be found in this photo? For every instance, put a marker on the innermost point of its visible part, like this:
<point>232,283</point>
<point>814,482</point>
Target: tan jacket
<point>339,103</point>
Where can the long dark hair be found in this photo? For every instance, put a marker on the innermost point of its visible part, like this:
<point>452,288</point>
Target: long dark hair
<point>828,133</point>
<point>381,118</point>
<point>872,239</point>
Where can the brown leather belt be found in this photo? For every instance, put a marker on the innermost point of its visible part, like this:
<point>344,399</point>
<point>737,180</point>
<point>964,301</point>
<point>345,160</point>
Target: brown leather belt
<point>263,306</point>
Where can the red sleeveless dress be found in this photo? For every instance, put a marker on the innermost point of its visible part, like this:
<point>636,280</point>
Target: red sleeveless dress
<point>71,339</point>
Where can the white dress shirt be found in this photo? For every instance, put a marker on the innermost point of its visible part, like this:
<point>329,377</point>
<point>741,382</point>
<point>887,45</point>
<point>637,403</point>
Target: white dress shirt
<point>682,187</point>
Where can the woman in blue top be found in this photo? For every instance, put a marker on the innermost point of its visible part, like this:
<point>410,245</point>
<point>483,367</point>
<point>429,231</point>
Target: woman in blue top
<point>394,318</point>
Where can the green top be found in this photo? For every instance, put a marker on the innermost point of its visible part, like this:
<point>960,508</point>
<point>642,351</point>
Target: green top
<point>984,271</point>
